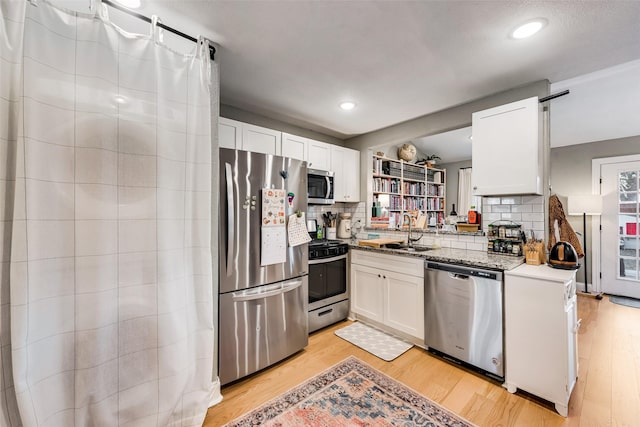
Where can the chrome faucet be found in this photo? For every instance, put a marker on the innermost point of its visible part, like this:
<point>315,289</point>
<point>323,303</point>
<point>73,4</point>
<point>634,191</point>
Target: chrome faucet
<point>410,239</point>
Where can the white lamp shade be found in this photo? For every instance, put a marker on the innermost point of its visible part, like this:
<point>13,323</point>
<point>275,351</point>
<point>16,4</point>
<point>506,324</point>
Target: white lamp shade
<point>590,204</point>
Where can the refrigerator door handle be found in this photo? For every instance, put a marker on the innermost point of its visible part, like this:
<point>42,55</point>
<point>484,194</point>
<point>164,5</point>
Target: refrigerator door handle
<point>328,187</point>
<point>252,295</point>
<point>231,238</point>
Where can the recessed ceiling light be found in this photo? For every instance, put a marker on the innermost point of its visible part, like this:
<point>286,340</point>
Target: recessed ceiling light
<point>348,105</point>
<point>131,4</point>
<point>528,28</point>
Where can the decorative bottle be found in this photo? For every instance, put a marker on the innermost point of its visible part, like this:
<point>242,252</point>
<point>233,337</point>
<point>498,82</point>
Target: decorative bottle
<point>473,217</point>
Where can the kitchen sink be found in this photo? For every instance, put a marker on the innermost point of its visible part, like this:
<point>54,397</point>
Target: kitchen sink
<point>405,248</point>
<point>417,248</point>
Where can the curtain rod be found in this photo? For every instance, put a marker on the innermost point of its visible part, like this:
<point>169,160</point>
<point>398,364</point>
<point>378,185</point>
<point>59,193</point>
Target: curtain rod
<point>212,50</point>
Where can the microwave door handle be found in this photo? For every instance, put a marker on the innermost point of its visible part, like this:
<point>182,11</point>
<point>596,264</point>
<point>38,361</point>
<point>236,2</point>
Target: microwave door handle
<point>231,238</point>
<point>328,187</point>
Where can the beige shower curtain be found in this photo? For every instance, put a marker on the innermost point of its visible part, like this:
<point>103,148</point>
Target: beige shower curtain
<point>106,274</point>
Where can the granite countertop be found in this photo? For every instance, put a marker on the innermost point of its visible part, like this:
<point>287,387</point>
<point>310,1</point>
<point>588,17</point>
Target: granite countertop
<point>454,256</point>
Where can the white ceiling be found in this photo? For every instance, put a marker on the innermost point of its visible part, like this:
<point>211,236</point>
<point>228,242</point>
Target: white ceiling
<point>452,146</point>
<point>601,105</point>
<point>296,60</point>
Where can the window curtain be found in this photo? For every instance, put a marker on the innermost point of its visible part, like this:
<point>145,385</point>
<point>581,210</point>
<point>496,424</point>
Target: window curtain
<point>466,199</point>
<point>107,302</point>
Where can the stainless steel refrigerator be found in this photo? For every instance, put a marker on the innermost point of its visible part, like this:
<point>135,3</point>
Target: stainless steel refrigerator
<point>262,308</point>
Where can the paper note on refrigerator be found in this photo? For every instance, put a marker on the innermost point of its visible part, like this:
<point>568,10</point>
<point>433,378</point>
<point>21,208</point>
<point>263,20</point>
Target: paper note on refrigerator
<point>297,230</point>
<point>273,248</point>
<point>273,207</point>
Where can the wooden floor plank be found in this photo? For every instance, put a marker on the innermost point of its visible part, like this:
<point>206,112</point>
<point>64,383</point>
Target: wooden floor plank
<point>606,394</point>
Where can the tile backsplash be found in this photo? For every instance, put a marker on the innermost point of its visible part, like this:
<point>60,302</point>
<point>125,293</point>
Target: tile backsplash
<point>357,211</point>
<point>525,210</point>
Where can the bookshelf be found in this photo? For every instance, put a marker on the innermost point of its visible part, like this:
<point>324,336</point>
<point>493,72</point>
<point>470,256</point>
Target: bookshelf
<point>398,187</point>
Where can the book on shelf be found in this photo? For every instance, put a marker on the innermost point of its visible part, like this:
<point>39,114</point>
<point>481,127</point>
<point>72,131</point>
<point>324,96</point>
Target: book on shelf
<point>377,166</point>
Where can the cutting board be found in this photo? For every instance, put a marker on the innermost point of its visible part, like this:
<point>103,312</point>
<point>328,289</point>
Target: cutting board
<point>377,243</point>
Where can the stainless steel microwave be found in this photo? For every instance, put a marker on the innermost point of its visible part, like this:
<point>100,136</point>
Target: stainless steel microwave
<point>319,187</point>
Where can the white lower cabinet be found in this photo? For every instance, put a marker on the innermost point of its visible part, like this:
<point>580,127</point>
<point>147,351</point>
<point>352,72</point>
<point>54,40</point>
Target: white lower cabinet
<point>367,292</point>
<point>391,296</point>
<point>541,333</point>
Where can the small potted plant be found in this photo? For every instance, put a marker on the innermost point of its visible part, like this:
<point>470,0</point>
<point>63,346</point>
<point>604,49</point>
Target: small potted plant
<point>431,160</point>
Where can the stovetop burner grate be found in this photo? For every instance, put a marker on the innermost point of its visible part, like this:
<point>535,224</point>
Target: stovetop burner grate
<point>327,248</point>
<point>325,243</point>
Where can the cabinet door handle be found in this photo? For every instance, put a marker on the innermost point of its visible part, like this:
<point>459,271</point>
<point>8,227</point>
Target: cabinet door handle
<point>578,324</point>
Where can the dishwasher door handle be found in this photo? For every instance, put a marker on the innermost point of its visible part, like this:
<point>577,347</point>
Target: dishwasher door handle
<point>458,276</point>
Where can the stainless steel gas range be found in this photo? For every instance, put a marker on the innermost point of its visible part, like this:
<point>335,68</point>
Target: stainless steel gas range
<point>328,284</point>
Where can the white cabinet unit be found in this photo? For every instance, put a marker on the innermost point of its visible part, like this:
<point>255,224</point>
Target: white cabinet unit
<point>367,292</point>
<point>318,155</point>
<point>229,133</point>
<point>403,311</point>
<point>507,149</point>
<point>247,137</point>
<point>294,146</point>
<point>541,327</point>
<point>260,140</point>
<point>391,297</point>
<point>345,163</point>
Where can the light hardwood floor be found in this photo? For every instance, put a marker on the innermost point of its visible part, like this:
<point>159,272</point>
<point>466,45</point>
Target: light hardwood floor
<point>607,392</point>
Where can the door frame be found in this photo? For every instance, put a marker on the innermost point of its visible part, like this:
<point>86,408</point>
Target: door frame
<point>596,221</point>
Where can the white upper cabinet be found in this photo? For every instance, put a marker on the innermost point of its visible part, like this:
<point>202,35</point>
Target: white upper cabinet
<point>247,137</point>
<point>318,155</point>
<point>260,140</point>
<point>345,163</point>
<point>507,149</point>
<point>229,133</point>
<point>294,146</point>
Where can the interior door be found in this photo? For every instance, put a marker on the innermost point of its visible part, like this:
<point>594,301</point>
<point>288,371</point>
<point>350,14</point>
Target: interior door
<point>620,228</point>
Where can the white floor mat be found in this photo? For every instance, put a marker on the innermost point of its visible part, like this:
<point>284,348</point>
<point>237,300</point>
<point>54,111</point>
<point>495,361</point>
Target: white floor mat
<point>386,347</point>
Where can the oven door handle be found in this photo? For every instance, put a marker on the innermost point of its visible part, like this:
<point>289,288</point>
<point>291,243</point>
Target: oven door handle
<point>325,260</point>
<point>252,295</point>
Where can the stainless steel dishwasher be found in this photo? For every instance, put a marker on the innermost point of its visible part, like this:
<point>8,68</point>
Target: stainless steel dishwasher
<point>464,316</point>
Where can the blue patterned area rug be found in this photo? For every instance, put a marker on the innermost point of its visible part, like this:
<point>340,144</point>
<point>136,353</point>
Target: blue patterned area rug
<point>351,393</point>
<point>629,302</point>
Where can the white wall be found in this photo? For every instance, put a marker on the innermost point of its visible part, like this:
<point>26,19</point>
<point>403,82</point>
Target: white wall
<point>571,174</point>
